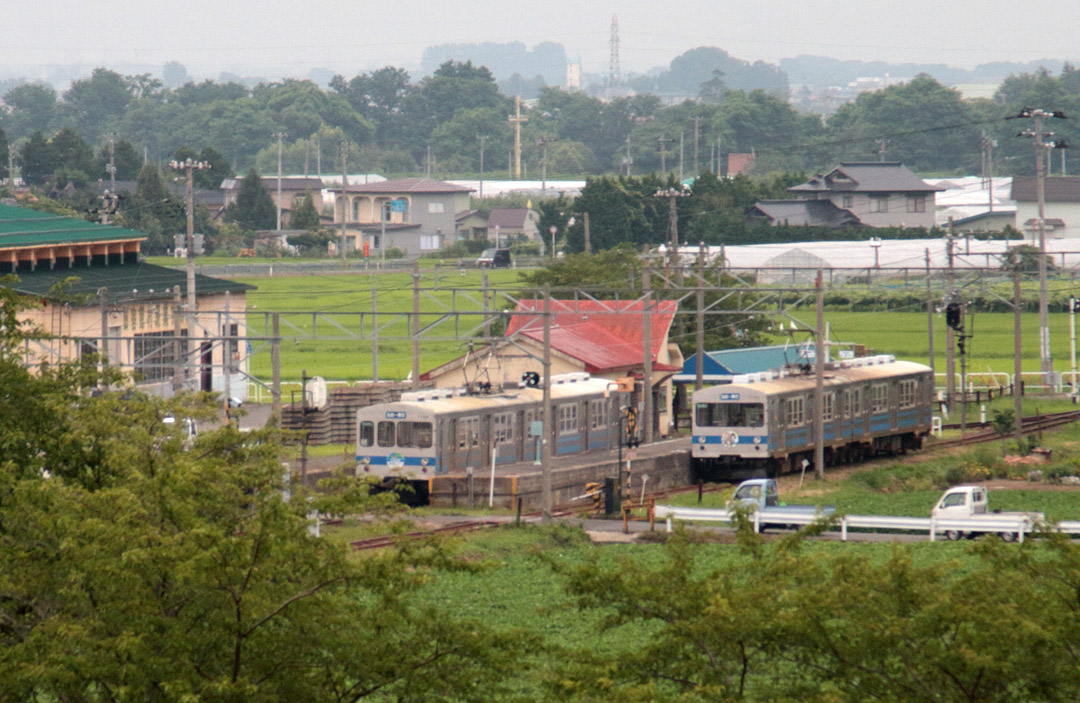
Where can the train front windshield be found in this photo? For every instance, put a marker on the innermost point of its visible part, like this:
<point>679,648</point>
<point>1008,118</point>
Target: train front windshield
<point>730,415</point>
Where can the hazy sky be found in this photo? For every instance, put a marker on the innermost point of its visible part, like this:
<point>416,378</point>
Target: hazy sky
<point>209,36</point>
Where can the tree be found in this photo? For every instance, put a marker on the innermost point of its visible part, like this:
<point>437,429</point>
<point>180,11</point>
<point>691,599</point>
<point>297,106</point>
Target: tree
<point>32,107</point>
<point>254,209</point>
<point>128,162</point>
<point>153,210</point>
<point>38,159</point>
<point>73,156</point>
<point>174,75</point>
<point>3,153</point>
<point>208,178</point>
<point>93,103</point>
<point>379,97</point>
<point>132,566</point>
<point>304,215</point>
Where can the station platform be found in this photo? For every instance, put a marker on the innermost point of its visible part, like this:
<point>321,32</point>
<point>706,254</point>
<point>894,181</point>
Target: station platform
<point>652,467</point>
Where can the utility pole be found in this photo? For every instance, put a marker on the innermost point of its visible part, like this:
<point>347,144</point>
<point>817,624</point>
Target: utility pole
<point>681,150</point>
<point>929,310</point>
<point>1046,360</point>
<point>988,145</point>
<point>663,153</point>
<point>318,157</point>
<point>542,142</point>
<point>819,380</point>
<point>673,218</point>
<point>416,326</point>
<point>585,225</point>
<point>699,358</point>
<point>1018,384</point>
<point>697,131</point>
<point>629,160</point>
<point>11,166</point>
<point>345,194</point>
<point>517,119</point>
<point>189,166</point>
<point>950,336</point>
<point>279,136</point>
<point>646,376</point>
<point>111,168</point>
<point>482,140</point>
<point>882,143</point>
<point>546,442</point>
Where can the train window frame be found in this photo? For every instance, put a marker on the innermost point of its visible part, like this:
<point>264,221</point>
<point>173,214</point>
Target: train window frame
<point>369,441</point>
<point>909,390</point>
<point>795,411</point>
<point>879,397</point>
<point>502,427</point>
<point>379,436</point>
<point>856,401</point>
<point>597,414</point>
<point>414,432</point>
<point>845,404</point>
<point>530,417</point>
<point>468,432</point>
<point>567,415</point>
<point>827,406</point>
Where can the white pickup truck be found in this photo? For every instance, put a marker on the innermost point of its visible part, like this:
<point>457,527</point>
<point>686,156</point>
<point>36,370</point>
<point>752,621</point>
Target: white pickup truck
<point>968,507</point>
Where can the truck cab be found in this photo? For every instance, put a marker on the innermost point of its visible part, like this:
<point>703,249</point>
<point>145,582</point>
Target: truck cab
<point>961,501</point>
<point>758,492</point>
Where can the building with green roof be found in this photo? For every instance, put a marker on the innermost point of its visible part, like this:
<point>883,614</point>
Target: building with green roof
<point>94,292</point>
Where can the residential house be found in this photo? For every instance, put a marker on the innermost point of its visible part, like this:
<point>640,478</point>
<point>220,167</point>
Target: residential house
<point>95,293</point>
<point>800,213</point>
<point>415,215</point>
<point>508,225</point>
<point>877,194</point>
<point>471,225</point>
<point>292,188</point>
<point>603,338</point>
<point>1061,209</point>
<point>213,199</point>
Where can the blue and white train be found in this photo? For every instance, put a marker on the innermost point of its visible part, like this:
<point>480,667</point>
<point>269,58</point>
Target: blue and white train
<point>763,424</point>
<point>436,432</point>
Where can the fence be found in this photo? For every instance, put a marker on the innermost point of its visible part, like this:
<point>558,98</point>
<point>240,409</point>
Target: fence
<point>1018,525</point>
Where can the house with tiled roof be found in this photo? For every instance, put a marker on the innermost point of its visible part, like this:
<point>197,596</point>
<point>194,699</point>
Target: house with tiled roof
<point>1061,208</point>
<point>94,293</point>
<point>292,189</point>
<point>871,193</point>
<point>415,215</point>
<point>604,338</point>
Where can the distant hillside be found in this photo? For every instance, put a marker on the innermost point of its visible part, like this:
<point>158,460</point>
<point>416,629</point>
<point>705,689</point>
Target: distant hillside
<point>547,59</point>
<point>822,71</point>
<point>688,71</point>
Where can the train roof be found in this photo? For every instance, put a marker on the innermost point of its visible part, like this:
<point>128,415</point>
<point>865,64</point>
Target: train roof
<point>833,376</point>
<point>456,400</point>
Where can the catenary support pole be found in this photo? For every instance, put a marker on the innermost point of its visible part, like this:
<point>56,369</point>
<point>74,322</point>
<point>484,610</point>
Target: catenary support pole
<point>547,443</point>
<point>819,379</point>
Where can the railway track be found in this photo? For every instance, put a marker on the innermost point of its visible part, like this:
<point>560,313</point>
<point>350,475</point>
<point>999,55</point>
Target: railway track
<point>1030,424</point>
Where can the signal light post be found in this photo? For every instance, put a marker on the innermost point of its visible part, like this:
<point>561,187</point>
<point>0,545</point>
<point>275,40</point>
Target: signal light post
<point>954,318</point>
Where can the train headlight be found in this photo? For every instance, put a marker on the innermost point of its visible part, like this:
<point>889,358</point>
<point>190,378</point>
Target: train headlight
<point>701,439</point>
<point>423,462</point>
<point>757,440</point>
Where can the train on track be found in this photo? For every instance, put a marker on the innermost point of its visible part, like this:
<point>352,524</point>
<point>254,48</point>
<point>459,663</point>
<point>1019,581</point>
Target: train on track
<point>429,433</point>
<point>763,424</point>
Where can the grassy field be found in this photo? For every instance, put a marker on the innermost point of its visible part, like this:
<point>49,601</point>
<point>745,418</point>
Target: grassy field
<point>903,334</point>
<point>295,298</point>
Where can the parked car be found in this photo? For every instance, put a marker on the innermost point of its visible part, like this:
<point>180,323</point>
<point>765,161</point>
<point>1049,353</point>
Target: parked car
<point>494,258</point>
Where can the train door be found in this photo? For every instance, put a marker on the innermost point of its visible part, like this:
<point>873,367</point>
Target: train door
<point>528,438</point>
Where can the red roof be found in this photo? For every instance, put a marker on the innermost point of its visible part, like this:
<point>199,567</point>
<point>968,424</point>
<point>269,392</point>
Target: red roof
<point>605,335</point>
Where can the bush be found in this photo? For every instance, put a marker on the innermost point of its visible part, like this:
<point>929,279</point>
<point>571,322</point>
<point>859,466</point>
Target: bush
<point>967,472</point>
<point>394,253</point>
<point>461,249</point>
<point>525,249</point>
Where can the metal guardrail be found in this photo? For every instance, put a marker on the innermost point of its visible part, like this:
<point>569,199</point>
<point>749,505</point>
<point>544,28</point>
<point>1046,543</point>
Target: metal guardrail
<point>991,523</point>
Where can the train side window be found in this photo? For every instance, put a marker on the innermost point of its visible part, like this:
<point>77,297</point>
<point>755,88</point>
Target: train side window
<point>597,414</point>
<point>367,433</point>
<point>468,432</point>
<point>386,434</point>
<point>414,434</point>
<point>856,402</point>
<point>827,407</point>
<point>567,418</point>
<point>880,396</point>
<point>908,389</point>
<point>845,404</point>
<point>530,416</point>
<point>502,426</point>
<point>795,411</point>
